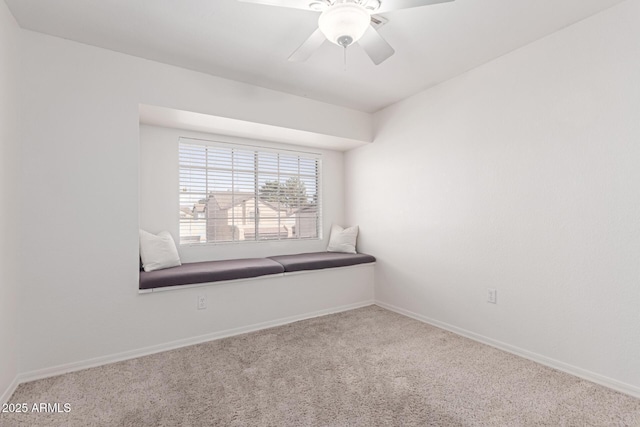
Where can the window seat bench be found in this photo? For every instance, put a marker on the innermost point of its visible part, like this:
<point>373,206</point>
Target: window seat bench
<point>234,269</point>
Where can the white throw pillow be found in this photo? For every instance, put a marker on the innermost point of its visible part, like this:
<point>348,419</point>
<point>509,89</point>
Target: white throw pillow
<point>158,251</point>
<point>343,239</point>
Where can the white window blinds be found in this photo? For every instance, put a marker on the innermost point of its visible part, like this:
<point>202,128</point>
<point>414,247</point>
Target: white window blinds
<point>239,193</point>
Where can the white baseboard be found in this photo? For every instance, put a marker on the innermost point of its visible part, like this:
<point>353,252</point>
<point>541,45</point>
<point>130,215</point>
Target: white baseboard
<point>543,360</point>
<point>118,357</point>
<point>6,395</point>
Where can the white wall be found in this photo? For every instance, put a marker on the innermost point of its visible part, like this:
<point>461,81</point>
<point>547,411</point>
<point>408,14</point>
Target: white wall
<point>80,187</point>
<point>159,195</point>
<point>521,175</point>
<point>9,198</point>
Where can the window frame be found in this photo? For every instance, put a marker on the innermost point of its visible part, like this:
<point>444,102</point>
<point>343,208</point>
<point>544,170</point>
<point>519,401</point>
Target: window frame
<point>257,150</point>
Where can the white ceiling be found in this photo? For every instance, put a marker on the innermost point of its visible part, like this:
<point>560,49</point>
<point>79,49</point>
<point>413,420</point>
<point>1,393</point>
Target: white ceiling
<point>251,43</point>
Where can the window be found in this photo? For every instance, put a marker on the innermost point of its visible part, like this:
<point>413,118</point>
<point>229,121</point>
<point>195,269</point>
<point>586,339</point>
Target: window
<point>240,193</point>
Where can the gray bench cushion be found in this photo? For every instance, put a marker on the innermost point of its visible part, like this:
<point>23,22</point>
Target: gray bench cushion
<point>320,260</point>
<point>210,271</point>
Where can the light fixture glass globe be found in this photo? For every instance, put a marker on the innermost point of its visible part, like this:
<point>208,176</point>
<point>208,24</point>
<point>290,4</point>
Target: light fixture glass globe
<point>344,23</point>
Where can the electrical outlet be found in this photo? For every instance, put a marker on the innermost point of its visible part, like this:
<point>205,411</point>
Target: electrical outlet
<point>202,302</point>
<point>492,296</point>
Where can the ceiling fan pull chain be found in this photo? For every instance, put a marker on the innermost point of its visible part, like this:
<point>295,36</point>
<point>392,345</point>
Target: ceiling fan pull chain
<point>345,58</point>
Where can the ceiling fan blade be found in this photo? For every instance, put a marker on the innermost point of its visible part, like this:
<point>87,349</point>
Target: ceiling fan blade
<point>307,48</point>
<point>389,5</point>
<point>376,47</point>
<point>296,4</point>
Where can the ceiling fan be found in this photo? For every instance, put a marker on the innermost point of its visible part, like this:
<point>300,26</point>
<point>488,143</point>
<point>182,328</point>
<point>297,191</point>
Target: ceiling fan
<point>345,22</point>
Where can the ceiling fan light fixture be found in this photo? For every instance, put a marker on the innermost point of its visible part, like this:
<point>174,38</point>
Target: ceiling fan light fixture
<point>344,23</point>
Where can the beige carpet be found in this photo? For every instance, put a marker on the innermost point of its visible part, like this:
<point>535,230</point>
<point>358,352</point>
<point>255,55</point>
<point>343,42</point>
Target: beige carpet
<point>364,367</point>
